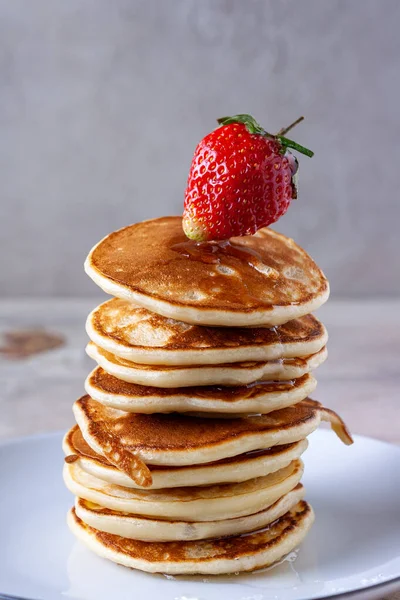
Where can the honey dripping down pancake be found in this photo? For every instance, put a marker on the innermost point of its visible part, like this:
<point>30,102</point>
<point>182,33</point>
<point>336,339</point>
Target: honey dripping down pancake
<point>135,334</point>
<point>179,440</point>
<point>229,470</point>
<point>212,557</point>
<point>200,375</point>
<point>259,397</point>
<point>264,279</point>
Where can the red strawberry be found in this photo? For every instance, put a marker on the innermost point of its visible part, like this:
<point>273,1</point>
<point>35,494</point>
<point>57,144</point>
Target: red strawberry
<point>241,179</point>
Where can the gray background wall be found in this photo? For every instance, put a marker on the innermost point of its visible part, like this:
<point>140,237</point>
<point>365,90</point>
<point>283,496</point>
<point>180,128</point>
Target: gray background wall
<point>102,103</point>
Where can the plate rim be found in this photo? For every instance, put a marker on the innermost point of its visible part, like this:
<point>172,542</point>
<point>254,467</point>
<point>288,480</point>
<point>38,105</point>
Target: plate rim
<point>390,583</point>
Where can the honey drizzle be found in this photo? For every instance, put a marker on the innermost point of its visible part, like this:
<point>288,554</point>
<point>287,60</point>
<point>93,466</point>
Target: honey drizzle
<point>212,253</point>
<point>129,463</point>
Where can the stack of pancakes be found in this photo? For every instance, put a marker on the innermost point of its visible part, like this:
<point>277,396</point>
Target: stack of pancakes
<point>186,453</point>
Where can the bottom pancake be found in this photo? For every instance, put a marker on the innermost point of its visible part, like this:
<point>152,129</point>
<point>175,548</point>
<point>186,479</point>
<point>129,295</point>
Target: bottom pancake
<point>235,554</point>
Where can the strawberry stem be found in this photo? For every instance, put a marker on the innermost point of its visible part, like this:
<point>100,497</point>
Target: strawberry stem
<point>253,127</point>
<point>284,130</point>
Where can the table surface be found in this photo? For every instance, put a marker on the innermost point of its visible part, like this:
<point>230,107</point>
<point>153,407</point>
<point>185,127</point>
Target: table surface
<point>360,380</point>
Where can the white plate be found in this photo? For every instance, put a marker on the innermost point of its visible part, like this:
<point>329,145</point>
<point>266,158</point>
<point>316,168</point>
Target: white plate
<point>352,551</point>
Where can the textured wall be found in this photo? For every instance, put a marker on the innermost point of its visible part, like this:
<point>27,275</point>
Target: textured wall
<point>102,104</point>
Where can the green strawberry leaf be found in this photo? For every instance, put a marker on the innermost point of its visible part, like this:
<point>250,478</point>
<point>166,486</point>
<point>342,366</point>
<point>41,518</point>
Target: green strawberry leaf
<point>254,127</point>
<point>251,124</point>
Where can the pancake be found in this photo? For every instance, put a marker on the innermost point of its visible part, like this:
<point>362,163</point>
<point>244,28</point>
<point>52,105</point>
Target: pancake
<point>229,555</point>
<point>228,470</point>
<point>179,440</point>
<point>161,530</point>
<point>224,374</point>
<point>260,397</point>
<point>263,279</point>
<point>207,503</point>
<point>132,332</point>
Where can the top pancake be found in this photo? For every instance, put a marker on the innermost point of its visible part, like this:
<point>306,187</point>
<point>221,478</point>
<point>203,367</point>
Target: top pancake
<point>134,333</point>
<point>263,279</point>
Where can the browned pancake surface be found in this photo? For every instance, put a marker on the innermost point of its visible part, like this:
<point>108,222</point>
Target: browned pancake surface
<point>109,384</point>
<point>169,432</point>
<point>121,321</point>
<point>81,448</point>
<point>250,273</point>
